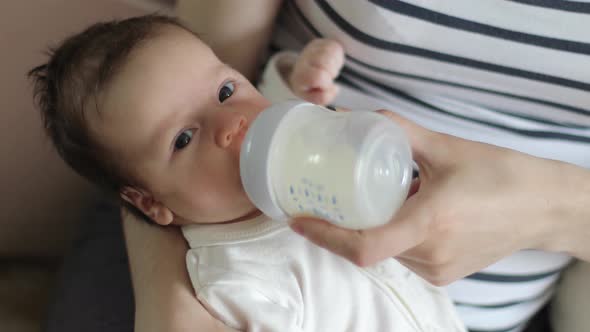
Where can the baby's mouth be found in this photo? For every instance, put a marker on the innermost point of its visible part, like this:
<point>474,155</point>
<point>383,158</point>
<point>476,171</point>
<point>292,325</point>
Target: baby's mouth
<point>240,135</point>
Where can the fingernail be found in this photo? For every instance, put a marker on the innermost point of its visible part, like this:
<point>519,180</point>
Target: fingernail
<point>297,228</point>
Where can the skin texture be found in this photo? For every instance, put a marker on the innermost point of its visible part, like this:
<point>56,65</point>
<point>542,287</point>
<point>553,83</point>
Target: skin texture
<point>238,31</point>
<point>165,300</point>
<point>312,76</point>
<point>142,119</point>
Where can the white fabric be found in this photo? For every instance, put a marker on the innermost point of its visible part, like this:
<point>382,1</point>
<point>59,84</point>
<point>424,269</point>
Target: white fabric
<point>257,275</point>
<point>273,84</point>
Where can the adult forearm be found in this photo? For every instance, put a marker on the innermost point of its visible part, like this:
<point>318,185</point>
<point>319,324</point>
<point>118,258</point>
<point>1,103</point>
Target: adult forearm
<point>237,31</point>
<point>570,229</point>
<point>164,297</point>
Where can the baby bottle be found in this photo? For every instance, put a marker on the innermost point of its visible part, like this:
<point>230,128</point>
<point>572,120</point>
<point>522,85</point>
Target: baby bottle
<point>352,169</point>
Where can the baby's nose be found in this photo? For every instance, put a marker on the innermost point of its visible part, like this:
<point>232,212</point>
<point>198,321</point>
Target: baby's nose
<point>230,128</point>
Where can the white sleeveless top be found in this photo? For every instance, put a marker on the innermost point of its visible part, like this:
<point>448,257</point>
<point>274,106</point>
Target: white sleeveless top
<point>510,73</point>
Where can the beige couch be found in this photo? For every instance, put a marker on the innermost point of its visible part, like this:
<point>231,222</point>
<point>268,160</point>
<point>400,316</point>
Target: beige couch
<point>41,198</point>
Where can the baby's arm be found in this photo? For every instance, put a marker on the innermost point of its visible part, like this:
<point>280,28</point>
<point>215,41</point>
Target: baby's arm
<point>308,75</point>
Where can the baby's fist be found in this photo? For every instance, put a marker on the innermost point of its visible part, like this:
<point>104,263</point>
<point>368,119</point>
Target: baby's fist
<point>312,76</point>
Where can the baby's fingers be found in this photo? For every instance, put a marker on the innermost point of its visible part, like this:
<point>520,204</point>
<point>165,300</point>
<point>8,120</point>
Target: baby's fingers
<point>306,78</point>
<point>323,96</point>
<point>312,76</point>
<point>324,54</point>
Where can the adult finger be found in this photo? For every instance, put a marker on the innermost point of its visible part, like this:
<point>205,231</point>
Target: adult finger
<point>367,246</point>
<point>438,275</point>
<point>427,146</point>
<point>418,268</point>
<point>433,276</point>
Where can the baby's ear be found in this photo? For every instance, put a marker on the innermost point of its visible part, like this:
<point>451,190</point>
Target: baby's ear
<point>145,203</point>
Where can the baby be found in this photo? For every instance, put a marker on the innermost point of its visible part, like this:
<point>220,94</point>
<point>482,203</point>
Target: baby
<point>145,110</point>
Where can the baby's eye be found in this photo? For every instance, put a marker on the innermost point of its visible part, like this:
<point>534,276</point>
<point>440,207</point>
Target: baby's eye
<point>226,91</point>
<point>183,139</point>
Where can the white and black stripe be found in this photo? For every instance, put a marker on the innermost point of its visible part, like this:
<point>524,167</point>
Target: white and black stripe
<point>464,61</point>
<point>477,70</point>
<point>581,111</point>
<point>542,134</point>
<point>571,6</point>
<point>404,8</point>
<point>533,107</point>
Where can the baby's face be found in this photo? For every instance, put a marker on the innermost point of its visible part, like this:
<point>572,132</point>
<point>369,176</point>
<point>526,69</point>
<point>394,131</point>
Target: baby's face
<point>175,118</point>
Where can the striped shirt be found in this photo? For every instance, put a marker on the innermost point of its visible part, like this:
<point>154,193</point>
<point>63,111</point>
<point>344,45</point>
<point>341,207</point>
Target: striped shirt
<point>511,73</point>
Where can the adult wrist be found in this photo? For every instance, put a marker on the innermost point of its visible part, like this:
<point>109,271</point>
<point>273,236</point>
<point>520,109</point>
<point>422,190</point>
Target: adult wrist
<point>569,225</point>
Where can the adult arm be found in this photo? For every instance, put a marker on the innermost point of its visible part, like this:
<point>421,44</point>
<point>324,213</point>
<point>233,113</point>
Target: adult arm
<point>164,297</point>
<point>237,31</point>
<point>473,205</point>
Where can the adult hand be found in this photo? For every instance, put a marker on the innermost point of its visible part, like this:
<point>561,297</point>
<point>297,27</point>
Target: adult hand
<point>473,204</point>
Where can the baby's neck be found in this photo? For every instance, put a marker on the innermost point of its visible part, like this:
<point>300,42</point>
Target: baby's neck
<point>250,215</point>
<point>178,221</point>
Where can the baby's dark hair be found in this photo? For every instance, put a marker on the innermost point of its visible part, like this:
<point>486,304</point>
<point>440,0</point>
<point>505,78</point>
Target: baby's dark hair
<point>67,86</point>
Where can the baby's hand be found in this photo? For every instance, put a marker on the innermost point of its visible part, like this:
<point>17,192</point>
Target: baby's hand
<point>312,77</point>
